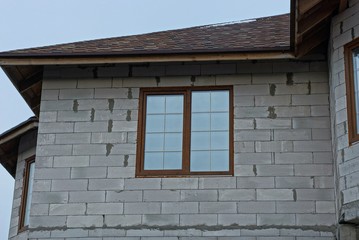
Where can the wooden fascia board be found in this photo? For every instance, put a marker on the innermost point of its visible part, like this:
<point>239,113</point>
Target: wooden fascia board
<point>153,58</point>
<point>18,132</point>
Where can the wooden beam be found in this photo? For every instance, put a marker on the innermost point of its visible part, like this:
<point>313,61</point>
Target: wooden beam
<point>343,4</point>
<point>151,58</point>
<point>35,101</point>
<point>30,81</point>
<point>306,5</point>
<point>36,110</point>
<point>310,42</point>
<point>315,18</point>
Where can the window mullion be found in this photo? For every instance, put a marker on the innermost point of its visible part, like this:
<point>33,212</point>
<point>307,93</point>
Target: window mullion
<point>186,132</point>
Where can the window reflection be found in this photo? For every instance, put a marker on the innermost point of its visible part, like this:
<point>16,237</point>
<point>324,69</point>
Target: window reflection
<point>356,85</point>
<point>210,131</point>
<point>164,132</point>
<point>28,196</point>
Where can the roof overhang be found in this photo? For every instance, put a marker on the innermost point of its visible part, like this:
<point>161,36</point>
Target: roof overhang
<point>189,57</point>
<point>310,23</point>
<point>9,143</point>
<point>26,72</point>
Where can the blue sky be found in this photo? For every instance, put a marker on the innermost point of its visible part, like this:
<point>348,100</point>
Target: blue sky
<point>35,23</point>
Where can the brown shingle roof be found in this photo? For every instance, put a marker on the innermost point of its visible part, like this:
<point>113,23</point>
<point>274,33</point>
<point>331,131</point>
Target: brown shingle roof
<point>262,34</point>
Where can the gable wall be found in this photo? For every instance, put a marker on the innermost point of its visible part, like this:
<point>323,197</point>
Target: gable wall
<point>283,183</point>
<point>345,27</point>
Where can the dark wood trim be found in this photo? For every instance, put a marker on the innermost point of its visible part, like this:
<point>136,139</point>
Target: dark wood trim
<point>310,40</point>
<point>306,5</point>
<point>185,171</point>
<point>343,4</point>
<point>316,18</point>
<point>293,13</point>
<point>29,82</point>
<point>231,131</point>
<point>349,78</point>
<point>25,186</point>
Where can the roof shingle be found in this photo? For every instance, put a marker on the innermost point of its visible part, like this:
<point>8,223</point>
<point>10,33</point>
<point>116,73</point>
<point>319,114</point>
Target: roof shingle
<point>261,34</point>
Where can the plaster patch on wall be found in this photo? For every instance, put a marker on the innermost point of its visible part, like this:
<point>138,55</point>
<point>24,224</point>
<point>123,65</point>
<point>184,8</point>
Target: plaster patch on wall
<point>111,103</point>
<point>110,125</point>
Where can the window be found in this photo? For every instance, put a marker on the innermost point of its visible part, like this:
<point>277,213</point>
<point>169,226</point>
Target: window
<point>26,193</point>
<point>185,131</point>
<point>351,53</point>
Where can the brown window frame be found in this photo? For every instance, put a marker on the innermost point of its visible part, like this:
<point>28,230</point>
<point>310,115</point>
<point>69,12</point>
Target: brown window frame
<point>185,171</point>
<point>350,87</point>
<point>25,187</point>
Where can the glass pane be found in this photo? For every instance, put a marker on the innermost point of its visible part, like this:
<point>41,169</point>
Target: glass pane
<point>153,161</point>
<point>173,160</point>
<point>200,122</point>
<point>154,142</point>
<point>174,104</point>
<point>29,193</point>
<point>219,101</point>
<point>155,104</point>
<point>219,121</point>
<point>219,161</point>
<point>201,101</point>
<point>219,140</point>
<point>164,127</point>
<point>356,59</point>
<point>200,141</point>
<point>174,123</point>
<point>356,85</point>
<point>155,123</point>
<point>200,161</point>
<point>173,142</point>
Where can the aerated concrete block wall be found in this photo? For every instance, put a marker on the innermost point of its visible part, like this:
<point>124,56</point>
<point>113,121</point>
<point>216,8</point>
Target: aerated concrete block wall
<point>345,28</point>
<point>283,186</point>
<point>27,147</point>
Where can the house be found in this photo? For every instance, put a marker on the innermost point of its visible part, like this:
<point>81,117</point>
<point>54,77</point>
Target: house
<point>242,131</point>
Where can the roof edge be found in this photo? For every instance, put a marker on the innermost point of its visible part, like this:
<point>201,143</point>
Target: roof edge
<point>105,59</point>
<point>19,129</point>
